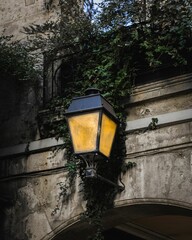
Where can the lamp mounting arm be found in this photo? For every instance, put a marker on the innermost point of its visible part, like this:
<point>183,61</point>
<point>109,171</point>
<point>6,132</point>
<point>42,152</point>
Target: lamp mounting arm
<point>120,188</point>
<point>91,172</point>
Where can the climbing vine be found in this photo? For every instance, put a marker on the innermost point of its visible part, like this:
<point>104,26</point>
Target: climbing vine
<point>17,61</point>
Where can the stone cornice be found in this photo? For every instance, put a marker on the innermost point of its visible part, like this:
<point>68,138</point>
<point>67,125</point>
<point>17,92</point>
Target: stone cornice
<point>161,89</point>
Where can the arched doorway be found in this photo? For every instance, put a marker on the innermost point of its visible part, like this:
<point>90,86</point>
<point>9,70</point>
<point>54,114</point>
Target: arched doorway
<point>137,222</point>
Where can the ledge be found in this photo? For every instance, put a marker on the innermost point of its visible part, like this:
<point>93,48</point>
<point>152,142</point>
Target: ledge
<point>139,124</point>
<point>163,119</point>
<point>32,147</point>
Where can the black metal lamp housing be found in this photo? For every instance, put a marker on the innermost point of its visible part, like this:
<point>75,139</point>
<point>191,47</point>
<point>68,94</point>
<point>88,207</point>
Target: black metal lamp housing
<point>92,123</point>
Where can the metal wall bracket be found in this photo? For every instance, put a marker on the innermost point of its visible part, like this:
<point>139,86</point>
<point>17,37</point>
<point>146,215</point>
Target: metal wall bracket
<point>90,172</point>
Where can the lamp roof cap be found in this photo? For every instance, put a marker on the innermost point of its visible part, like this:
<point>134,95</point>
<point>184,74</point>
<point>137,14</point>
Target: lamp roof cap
<point>91,102</point>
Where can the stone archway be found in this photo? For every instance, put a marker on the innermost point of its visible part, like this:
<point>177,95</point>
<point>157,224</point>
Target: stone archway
<point>148,221</point>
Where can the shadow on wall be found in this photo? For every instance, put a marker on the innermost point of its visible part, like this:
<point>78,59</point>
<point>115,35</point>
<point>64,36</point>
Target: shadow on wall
<point>18,110</point>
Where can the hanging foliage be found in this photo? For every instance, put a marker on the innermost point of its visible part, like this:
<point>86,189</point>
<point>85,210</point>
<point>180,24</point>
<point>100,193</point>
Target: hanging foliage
<point>16,61</point>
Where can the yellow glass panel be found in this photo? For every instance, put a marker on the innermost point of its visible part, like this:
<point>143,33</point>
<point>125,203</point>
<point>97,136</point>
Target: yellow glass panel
<point>108,129</point>
<point>84,130</point>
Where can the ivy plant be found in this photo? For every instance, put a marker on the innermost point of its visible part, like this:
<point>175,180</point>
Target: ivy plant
<point>17,61</point>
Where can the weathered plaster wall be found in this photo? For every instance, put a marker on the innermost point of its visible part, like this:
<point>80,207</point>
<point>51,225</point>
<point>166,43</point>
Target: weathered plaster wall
<point>14,15</point>
<point>164,155</point>
<point>36,206</point>
<point>164,166</point>
<point>34,215</point>
<point>163,173</point>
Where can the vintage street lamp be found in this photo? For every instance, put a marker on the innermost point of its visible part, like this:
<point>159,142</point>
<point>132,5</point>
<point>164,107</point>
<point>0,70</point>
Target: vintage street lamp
<point>92,123</point>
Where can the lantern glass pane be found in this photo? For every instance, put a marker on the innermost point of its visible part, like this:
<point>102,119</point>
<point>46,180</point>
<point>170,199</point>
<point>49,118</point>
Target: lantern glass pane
<point>84,130</point>
<point>108,129</point>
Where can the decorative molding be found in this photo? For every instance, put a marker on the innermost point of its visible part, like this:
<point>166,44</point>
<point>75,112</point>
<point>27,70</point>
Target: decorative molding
<point>159,150</point>
<point>159,201</point>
